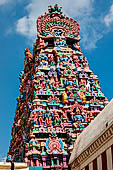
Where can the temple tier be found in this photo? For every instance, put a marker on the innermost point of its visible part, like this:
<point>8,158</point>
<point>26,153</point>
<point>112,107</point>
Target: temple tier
<point>59,95</point>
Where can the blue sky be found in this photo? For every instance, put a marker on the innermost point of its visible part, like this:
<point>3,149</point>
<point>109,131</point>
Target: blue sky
<point>18,31</point>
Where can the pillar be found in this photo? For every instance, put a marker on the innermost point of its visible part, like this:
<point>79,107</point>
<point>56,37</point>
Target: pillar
<point>91,166</point>
<point>109,159</point>
<point>64,160</point>
<point>32,164</point>
<point>37,163</point>
<point>99,162</point>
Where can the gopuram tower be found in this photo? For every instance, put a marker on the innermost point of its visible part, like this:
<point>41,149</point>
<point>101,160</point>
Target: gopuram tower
<point>59,95</point>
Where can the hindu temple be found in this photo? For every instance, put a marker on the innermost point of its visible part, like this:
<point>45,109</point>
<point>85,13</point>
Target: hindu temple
<point>59,95</point>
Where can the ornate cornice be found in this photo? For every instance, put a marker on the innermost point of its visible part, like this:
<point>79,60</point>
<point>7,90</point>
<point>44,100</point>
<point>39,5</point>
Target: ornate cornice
<point>96,145</point>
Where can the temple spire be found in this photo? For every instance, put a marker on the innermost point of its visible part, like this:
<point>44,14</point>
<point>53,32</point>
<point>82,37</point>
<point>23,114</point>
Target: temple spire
<point>59,95</point>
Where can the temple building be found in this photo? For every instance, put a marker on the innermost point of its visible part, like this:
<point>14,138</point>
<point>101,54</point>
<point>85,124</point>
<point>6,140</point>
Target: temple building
<point>59,95</point>
<point>93,149</point>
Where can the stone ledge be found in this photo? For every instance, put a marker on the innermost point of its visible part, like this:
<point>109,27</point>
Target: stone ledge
<point>96,145</point>
<point>7,165</point>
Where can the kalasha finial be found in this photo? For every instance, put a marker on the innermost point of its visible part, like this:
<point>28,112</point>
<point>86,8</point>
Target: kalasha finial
<point>55,11</point>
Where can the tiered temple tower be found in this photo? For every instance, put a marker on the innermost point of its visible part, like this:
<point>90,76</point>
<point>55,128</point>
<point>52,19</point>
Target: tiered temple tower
<point>59,95</point>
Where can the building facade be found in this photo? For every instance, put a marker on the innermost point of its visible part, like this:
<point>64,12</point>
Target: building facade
<point>97,154</point>
<point>59,95</point>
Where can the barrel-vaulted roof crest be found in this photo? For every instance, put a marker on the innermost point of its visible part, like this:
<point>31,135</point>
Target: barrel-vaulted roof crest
<point>55,23</point>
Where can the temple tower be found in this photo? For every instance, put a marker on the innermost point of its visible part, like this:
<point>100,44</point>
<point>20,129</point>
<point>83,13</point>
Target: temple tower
<point>59,95</point>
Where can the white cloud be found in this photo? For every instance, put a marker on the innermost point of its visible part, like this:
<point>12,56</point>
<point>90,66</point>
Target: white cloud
<point>108,19</point>
<point>91,31</point>
<point>27,25</point>
<point>89,39</point>
<point>80,10</point>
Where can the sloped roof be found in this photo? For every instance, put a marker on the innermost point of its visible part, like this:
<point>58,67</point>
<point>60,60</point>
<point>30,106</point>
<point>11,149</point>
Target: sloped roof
<point>95,128</point>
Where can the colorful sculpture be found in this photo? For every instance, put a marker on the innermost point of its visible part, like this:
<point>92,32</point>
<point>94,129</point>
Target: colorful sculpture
<point>59,95</point>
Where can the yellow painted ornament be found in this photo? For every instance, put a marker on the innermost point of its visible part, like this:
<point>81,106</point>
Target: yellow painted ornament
<point>64,97</point>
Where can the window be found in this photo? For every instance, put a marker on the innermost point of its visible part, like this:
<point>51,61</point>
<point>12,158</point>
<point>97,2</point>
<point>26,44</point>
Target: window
<point>70,43</point>
<point>50,43</point>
